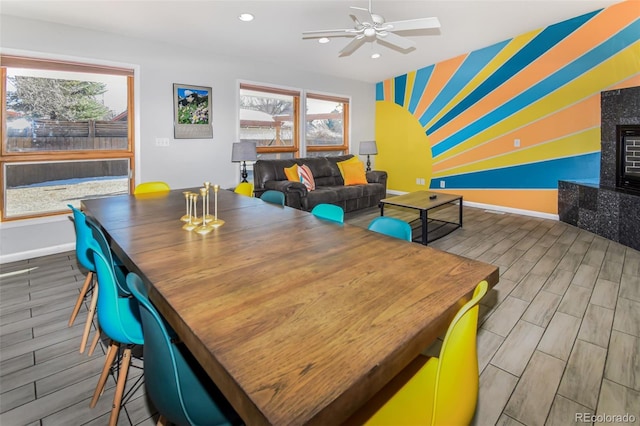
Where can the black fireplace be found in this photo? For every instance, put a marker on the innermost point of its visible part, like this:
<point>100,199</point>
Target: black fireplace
<point>628,158</point>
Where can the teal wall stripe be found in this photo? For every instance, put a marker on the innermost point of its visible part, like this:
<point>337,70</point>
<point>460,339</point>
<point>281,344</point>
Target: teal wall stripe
<point>541,175</point>
<point>379,91</point>
<point>537,47</point>
<point>419,86</point>
<point>589,60</point>
<point>400,88</point>
<point>470,67</point>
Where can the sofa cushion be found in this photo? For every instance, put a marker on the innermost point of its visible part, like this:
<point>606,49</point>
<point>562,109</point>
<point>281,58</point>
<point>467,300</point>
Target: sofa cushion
<point>306,177</point>
<point>353,173</point>
<point>292,173</point>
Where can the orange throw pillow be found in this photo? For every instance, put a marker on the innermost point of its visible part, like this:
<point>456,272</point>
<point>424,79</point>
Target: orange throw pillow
<point>353,173</point>
<point>342,163</point>
<point>292,173</point>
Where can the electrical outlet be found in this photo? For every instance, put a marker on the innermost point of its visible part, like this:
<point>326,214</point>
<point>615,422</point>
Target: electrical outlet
<point>162,141</point>
<point>417,181</point>
<point>516,143</point>
<point>421,181</point>
<point>442,185</point>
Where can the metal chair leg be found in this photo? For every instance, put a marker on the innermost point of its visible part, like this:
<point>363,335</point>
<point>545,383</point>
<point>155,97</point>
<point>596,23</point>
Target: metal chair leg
<point>83,293</point>
<point>90,315</point>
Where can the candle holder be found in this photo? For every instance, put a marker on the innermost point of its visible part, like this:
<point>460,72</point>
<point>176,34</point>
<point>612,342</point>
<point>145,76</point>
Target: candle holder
<point>191,225</point>
<point>194,209</point>
<point>204,228</point>
<point>216,223</point>
<point>187,198</point>
<point>207,186</point>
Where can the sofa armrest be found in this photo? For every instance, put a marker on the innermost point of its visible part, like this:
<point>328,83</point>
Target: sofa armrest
<point>377,176</point>
<point>293,191</point>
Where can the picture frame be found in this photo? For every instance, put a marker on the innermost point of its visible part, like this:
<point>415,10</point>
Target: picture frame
<point>192,112</point>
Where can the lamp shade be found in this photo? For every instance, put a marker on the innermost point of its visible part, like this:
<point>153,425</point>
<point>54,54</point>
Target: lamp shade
<point>368,148</point>
<point>243,151</point>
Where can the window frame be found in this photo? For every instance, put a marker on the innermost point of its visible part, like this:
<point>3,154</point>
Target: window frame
<point>296,94</point>
<point>12,157</point>
<point>345,124</point>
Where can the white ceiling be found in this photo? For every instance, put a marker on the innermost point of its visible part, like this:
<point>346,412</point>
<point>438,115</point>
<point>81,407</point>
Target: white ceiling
<point>276,33</point>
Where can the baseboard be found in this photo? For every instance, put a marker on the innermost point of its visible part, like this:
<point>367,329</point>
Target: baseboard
<point>495,208</point>
<point>30,254</point>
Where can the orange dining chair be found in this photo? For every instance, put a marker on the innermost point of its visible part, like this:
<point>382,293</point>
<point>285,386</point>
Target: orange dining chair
<point>434,391</point>
<point>149,187</point>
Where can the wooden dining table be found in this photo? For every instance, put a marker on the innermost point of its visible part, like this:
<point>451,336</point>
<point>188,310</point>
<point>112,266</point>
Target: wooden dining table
<point>297,320</point>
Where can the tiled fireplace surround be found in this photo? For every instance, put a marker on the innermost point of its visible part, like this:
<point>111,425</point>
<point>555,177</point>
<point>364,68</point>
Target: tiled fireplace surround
<point>602,209</point>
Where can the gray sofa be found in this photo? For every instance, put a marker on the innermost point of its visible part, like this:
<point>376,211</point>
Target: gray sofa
<point>330,188</point>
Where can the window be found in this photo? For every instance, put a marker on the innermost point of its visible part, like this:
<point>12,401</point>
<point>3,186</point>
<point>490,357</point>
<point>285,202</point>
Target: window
<point>66,135</point>
<point>269,117</point>
<point>327,122</point>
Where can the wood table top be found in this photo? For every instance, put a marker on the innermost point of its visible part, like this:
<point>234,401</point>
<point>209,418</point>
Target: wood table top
<point>296,319</point>
<point>420,200</point>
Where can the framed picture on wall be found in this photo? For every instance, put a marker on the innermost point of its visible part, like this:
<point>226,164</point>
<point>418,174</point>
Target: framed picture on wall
<point>192,112</point>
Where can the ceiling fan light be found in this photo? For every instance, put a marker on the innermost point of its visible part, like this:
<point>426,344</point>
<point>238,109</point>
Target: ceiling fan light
<point>323,40</point>
<point>246,17</point>
<point>369,32</point>
<point>375,55</point>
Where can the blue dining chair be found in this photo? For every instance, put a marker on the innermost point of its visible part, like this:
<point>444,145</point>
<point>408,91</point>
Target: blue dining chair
<point>84,240</point>
<point>329,212</point>
<point>391,226</point>
<point>119,319</point>
<point>274,197</point>
<point>118,268</point>
<point>176,384</point>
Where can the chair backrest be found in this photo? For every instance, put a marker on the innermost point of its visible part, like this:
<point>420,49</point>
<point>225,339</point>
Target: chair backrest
<point>391,226</point>
<point>456,387</point>
<point>244,188</point>
<point>119,317</point>
<point>275,197</point>
<point>181,394</point>
<point>148,187</point>
<point>84,239</point>
<point>105,250</point>
<point>329,212</point>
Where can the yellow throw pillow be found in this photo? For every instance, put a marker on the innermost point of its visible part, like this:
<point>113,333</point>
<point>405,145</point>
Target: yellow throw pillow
<point>340,164</point>
<point>353,173</point>
<point>292,173</point>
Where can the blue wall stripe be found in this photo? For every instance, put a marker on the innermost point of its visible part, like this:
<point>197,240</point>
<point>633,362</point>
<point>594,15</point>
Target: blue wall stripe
<point>593,58</point>
<point>400,87</point>
<point>542,175</point>
<point>540,44</point>
<point>379,91</point>
<point>419,85</point>
<point>470,67</point>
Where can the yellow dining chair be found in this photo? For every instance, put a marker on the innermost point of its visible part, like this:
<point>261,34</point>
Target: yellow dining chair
<point>149,187</point>
<point>244,188</point>
<point>434,391</point>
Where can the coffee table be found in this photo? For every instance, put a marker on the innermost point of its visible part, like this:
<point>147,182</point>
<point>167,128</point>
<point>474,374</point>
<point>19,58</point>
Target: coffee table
<point>431,229</point>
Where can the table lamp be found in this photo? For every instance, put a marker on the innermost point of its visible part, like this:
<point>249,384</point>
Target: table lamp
<point>368,148</point>
<point>243,151</point>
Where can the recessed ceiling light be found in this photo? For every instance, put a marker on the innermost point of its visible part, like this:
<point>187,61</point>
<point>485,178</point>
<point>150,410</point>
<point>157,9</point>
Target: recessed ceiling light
<point>323,40</point>
<point>375,56</point>
<point>246,17</point>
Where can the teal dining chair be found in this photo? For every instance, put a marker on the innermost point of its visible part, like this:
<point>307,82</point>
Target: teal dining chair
<point>176,384</point>
<point>274,197</point>
<point>391,226</point>
<point>84,240</point>
<point>119,319</point>
<point>329,212</point>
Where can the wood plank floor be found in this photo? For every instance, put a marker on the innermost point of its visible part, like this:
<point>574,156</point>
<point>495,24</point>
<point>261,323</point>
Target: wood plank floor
<point>559,335</point>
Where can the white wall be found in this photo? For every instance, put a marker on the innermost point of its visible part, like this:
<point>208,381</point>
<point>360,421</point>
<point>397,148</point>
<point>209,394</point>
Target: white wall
<point>186,162</point>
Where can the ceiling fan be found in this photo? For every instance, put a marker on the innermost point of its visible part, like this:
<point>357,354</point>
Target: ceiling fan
<point>370,27</point>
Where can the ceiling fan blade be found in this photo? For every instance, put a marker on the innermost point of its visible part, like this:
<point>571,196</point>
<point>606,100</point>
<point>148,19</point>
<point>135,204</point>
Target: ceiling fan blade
<point>413,24</point>
<point>329,33</point>
<point>361,15</point>
<point>395,40</point>
<point>353,46</point>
